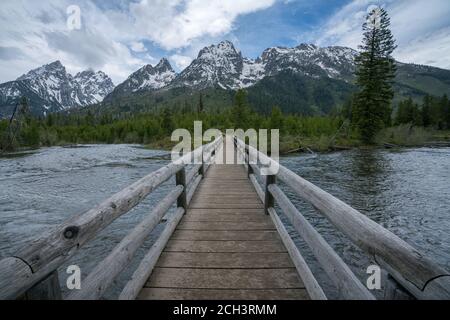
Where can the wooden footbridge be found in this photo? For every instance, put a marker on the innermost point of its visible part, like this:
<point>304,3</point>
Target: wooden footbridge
<point>223,239</point>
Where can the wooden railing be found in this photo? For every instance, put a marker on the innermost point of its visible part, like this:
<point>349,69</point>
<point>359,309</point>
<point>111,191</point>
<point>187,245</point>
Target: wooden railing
<point>412,271</point>
<point>32,272</point>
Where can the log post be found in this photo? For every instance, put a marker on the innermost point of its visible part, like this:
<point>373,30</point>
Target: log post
<point>47,289</point>
<point>202,168</point>
<point>250,168</point>
<point>181,181</point>
<point>269,201</point>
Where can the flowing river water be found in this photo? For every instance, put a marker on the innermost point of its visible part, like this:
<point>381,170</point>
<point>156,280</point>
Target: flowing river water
<point>406,191</point>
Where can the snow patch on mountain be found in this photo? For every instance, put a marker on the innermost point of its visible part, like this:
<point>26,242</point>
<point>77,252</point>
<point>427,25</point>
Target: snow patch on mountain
<point>50,87</point>
<point>223,66</point>
<point>148,78</point>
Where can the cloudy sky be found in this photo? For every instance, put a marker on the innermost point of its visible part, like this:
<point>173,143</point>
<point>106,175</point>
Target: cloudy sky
<point>120,36</point>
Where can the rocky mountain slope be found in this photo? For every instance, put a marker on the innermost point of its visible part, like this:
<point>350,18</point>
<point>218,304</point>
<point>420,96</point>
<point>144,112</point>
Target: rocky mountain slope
<point>50,89</point>
<point>148,78</point>
<point>305,79</point>
<point>222,65</point>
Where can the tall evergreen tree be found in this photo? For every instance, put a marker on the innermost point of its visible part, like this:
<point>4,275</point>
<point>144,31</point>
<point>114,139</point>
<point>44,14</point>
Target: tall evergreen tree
<point>444,113</point>
<point>409,112</point>
<point>241,110</point>
<point>426,111</point>
<point>201,107</point>
<point>375,73</point>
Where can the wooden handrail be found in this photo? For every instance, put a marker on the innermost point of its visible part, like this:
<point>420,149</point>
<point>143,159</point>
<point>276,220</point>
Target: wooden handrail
<point>420,276</point>
<point>103,275</point>
<point>46,254</point>
<point>311,284</point>
<point>348,285</point>
<point>147,265</point>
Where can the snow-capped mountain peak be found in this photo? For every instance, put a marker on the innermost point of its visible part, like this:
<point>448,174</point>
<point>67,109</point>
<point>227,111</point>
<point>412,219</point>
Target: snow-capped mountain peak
<point>92,88</point>
<point>147,78</point>
<point>54,68</point>
<point>51,88</point>
<point>219,64</point>
<point>164,66</point>
<point>223,66</point>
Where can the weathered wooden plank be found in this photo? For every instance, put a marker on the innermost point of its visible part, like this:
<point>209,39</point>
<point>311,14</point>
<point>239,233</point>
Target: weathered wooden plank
<point>226,183</point>
<point>47,289</point>
<point>199,201</point>
<point>14,275</point>
<point>225,260</point>
<point>224,246</point>
<point>230,226</point>
<point>247,191</point>
<point>192,235</point>
<point>226,193</point>
<point>227,212</point>
<point>225,278</point>
<point>227,197</point>
<point>219,189</point>
<point>145,268</point>
<point>215,217</point>
<point>204,205</point>
<point>228,294</point>
<point>227,177</point>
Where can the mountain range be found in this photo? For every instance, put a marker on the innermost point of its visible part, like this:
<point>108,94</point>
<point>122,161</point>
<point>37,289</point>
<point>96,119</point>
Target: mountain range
<point>51,89</point>
<point>306,79</point>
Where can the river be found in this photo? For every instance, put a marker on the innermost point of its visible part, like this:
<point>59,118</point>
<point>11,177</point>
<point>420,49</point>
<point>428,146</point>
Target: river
<point>406,191</point>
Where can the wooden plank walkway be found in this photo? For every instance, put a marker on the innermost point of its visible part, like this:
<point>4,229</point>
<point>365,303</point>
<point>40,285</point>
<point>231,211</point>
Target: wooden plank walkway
<point>225,248</point>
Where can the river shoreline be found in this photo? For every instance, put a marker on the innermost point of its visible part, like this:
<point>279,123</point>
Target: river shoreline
<point>159,146</point>
<point>402,137</point>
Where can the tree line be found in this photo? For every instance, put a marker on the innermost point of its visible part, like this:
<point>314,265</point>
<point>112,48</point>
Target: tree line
<point>147,128</point>
<point>432,112</point>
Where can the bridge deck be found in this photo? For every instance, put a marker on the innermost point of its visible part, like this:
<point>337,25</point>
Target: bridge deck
<point>225,248</point>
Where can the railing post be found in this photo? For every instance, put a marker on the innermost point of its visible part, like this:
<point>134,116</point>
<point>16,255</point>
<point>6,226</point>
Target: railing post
<point>269,201</point>
<point>202,168</point>
<point>181,181</point>
<point>47,289</point>
<point>250,168</point>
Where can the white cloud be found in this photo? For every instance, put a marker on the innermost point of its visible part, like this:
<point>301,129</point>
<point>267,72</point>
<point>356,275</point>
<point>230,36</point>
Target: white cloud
<point>175,24</point>
<point>181,62</point>
<point>420,28</point>
<point>38,30</point>
<point>113,34</point>
<point>35,32</point>
<point>137,46</point>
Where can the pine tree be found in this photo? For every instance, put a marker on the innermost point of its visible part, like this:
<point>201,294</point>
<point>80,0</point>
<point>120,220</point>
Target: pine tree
<point>200,104</point>
<point>276,120</point>
<point>167,123</point>
<point>426,111</point>
<point>241,110</point>
<point>409,112</point>
<point>375,74</point>
<point>444,113</point>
